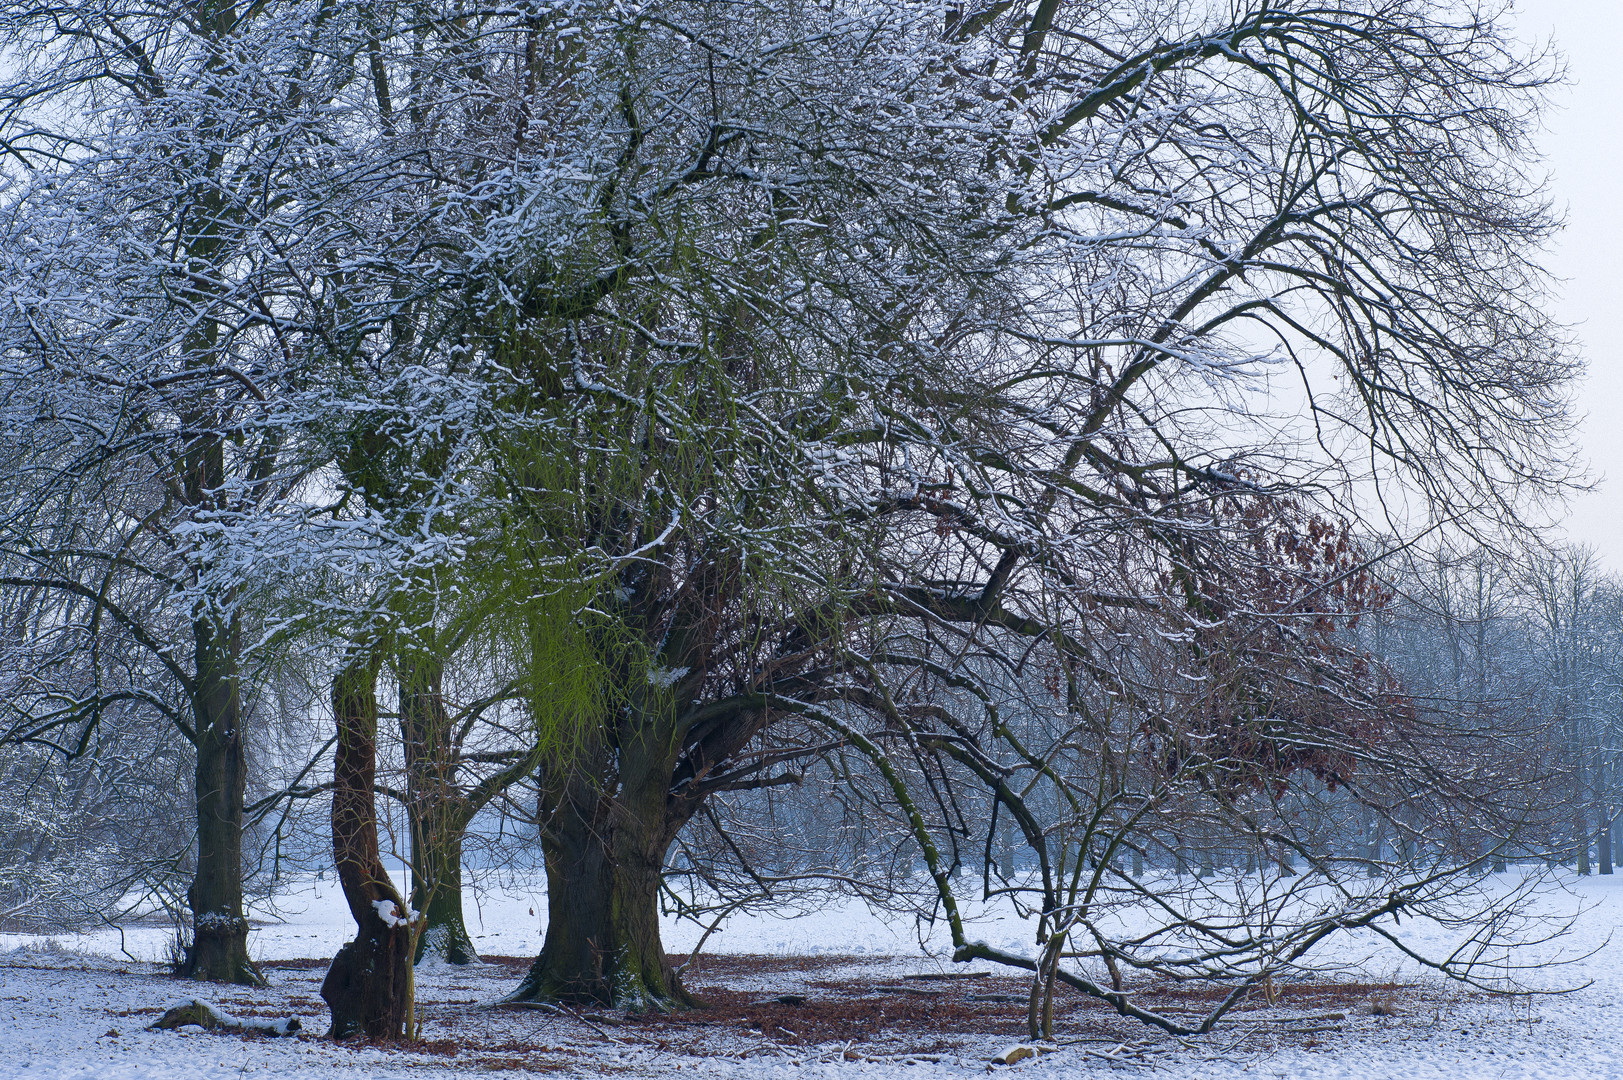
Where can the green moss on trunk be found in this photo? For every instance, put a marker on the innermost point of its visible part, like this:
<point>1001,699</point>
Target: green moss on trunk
<point>436,880</point>
<point>219,947</point>
<point>605,848</point>
<point>438,810</point>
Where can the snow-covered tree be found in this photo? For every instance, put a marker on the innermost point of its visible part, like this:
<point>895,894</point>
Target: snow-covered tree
<point>913,336</point>
<point>170,199</point>
<point>976,392</point>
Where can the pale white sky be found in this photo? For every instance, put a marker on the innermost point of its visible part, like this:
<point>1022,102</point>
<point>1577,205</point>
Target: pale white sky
<point>1583,149</point>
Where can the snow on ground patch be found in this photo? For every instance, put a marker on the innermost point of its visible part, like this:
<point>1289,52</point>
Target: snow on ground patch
<point>78,1006</point>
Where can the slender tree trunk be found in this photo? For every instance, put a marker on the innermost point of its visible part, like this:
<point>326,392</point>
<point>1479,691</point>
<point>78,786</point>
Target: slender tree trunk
<point>1603,818</point>
<point>439,814</point>
<point>219,948</point>
<point>436,884</point>
<point>368,986</point>
<point>604,857</point>
<point>1374,838</point>
<point>1005,848</point>
<point>1580,828</point>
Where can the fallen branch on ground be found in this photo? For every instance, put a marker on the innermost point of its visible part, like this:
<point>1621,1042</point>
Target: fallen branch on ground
<point>212,1018</point>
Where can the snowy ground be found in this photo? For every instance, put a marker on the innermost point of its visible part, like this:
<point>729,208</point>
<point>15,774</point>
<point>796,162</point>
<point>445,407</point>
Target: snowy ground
<point>79,1006</point>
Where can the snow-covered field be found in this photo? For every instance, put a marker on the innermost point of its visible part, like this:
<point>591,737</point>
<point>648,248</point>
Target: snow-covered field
<point>79,1006</point>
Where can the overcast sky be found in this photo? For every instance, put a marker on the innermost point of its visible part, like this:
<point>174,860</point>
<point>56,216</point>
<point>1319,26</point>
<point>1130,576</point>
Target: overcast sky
<point>1583,149</point>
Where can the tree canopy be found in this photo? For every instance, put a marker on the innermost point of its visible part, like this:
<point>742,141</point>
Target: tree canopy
<point>1001,408</point>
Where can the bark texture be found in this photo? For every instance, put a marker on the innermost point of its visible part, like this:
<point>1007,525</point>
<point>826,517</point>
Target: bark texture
<point>368,987</point>
<point>438,810</point>
<point>219,948</point>
<point>605,845</point>
<point>611,805</point>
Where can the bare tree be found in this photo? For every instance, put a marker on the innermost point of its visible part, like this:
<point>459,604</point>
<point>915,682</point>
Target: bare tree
<point>822,384</point>
<point>153,316</point>
<point>1573,629</point>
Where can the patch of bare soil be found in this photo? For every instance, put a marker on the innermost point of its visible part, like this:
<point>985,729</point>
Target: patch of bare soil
<point>803,1008</point>
<point>865,1006</point>
<point>308,963</point>
<point>514,966</point>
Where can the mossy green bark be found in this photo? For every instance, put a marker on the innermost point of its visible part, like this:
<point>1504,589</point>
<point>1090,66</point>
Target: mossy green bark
<point>608,827</point>
<point>219,948</point>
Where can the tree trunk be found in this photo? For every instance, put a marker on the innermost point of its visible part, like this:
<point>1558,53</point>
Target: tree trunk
<point>436,885</point>
<point>605,847</point>
<point>369,985</point>
<point>439,814</point>
<point>219,948</point>
<point>1374,837</point>
<point>1005,848</point>
<point>1603,815</point>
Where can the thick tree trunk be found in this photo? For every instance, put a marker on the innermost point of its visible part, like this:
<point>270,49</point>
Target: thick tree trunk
<point>605,847</point>
<point>219,948</point>
<point>602,944</point>
<point>439,813</point>
<point>611,809</point>
<point>369,984</point>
